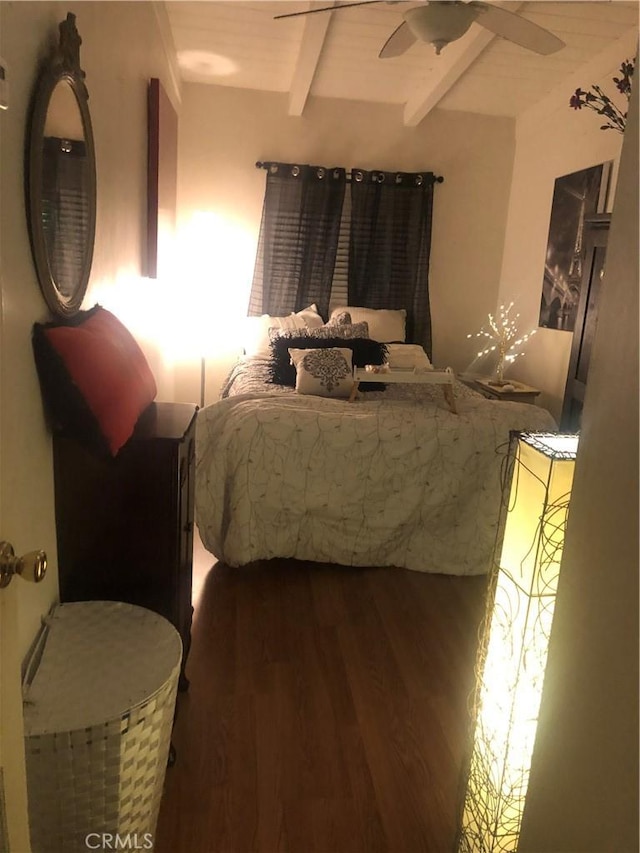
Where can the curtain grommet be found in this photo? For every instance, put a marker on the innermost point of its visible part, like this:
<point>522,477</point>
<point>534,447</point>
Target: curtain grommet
<point>398,178</point>
<point>419,180</point>
<point>321,173</point>
<point>295,171</point>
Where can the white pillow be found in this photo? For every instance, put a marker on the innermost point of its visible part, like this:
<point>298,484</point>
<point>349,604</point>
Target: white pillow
<point>256,340</point>
<point>310,315</point>
<point>407,357</point>
<point>384,324</point>
<point>324,372</point>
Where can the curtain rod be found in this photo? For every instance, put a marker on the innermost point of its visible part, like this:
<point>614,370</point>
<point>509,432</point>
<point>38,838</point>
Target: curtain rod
<point>260,164</point>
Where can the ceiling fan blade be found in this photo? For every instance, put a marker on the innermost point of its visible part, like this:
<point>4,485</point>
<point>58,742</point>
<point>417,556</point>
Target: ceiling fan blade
<point>398,42</point>
<point>517,29</point>
<point>327,9</point>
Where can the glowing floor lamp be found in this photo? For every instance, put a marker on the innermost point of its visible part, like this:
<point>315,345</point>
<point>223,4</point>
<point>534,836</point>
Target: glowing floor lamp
<point>513,656</point>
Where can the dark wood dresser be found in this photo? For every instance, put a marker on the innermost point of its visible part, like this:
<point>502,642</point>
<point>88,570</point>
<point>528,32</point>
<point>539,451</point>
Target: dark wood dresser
<point>125,524</point>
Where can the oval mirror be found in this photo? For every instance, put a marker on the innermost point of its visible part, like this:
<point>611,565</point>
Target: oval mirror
<point>61,177</point>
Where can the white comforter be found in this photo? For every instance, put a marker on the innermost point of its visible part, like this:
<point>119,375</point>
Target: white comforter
<point>378,482</point>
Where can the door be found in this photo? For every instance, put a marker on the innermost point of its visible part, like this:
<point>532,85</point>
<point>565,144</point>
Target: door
<point>14,833</point>
<point>27,517</point>
<point>594,254</point>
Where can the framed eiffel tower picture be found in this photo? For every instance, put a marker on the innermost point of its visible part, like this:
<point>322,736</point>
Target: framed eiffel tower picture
<point>575,197</point>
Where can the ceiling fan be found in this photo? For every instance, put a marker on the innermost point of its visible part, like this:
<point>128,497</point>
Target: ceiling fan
<point>440,22</point>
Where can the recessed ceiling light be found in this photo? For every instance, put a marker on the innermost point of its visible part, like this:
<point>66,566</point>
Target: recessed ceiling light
<point>206,63</point>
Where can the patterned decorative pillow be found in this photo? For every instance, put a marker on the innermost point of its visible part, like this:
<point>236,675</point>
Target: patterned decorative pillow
<point>384,324</point>
<point>324,372</point>
<point>341,319</point>
<point>344,330</point>
<point>282,371</point>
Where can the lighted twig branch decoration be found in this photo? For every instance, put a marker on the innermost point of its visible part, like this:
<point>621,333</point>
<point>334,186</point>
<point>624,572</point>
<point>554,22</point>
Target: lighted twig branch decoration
<point>502,336</point>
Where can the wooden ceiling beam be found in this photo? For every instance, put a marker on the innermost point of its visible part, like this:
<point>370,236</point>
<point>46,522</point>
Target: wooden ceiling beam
<point>454,61</point>
<point>315,31</point>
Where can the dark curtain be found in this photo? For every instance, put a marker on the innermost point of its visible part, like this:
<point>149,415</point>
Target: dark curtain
<point>390,242</point>
<point>298,239</point>
<point>65,209</point>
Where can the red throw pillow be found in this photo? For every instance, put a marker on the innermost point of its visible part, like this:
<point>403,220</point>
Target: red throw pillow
<point>95,378</point>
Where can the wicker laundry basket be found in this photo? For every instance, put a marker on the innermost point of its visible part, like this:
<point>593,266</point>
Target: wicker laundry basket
<point>99,699</point>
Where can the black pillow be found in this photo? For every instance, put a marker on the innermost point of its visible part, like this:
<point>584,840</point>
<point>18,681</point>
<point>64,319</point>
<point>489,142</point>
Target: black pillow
<point>364,351</point>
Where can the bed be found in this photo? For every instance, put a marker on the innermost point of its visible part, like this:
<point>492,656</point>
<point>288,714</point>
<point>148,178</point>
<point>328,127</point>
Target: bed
<point>392,479</point>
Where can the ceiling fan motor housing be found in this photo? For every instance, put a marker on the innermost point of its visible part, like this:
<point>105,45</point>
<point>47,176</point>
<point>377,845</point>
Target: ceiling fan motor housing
<point>440,22</point>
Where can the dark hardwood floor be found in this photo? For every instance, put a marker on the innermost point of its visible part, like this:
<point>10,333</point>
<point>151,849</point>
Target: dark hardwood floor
<point>327,711</point>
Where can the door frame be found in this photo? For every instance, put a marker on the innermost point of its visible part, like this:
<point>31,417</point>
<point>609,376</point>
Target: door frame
<point>596,235</point>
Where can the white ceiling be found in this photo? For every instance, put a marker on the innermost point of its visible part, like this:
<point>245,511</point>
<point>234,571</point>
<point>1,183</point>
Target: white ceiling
<point>335,54</point>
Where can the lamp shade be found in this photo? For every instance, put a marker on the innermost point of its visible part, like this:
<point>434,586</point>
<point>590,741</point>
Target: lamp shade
<point>513,652</point>
<point>440,23</point>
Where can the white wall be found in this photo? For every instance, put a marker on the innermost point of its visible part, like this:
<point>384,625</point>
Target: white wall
<point>223,132</point>
<point>583,792</point>
<point>551,140</point>
<point>118,72</point>
<point>116,75</point>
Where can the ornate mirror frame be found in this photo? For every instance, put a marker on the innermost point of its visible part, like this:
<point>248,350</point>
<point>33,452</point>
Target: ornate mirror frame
<point>63,298</point>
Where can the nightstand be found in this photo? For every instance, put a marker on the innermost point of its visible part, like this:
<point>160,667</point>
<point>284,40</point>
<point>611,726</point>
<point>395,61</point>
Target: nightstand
<point>512,392</point>
<point>125,524</point>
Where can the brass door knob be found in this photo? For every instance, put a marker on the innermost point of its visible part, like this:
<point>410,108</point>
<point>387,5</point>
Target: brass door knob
<point>31,567</point>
